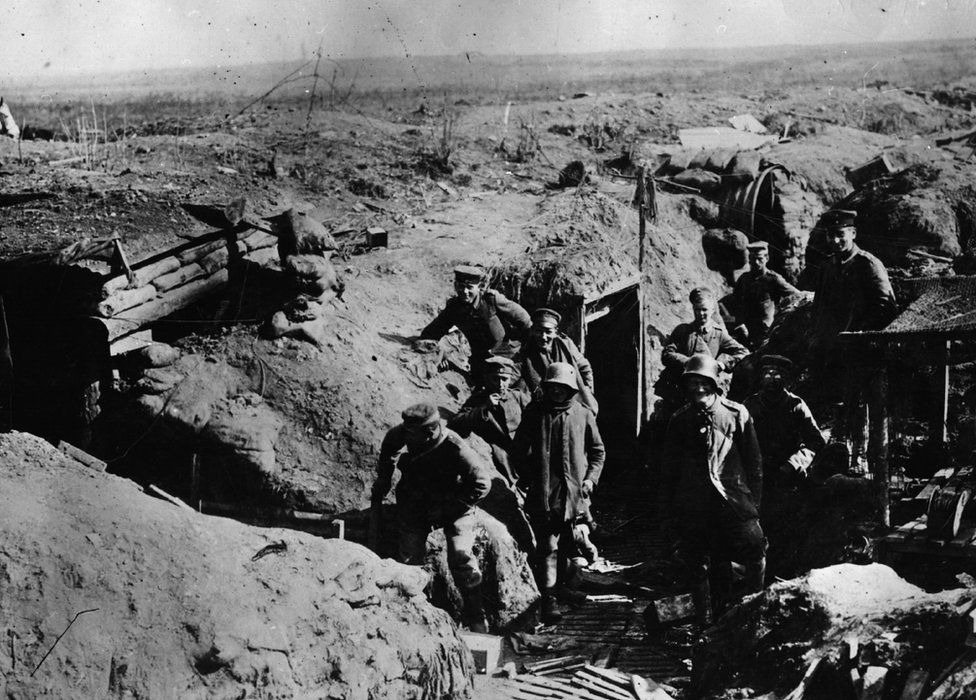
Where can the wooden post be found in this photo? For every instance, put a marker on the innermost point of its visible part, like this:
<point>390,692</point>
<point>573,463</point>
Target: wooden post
<point>938,430</point>
<point>640,200</point>
<point>195,479</point>
<point>639,197</point>
<point>878,440</point>
<point>6,374</point>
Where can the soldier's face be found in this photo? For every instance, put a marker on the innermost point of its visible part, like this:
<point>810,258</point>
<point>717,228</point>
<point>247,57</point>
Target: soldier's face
<point>700,389</point>
<point>703,310</point>
<point>498,383</point>
<point>418,437</point>
<point>544,334</point>
<point>467,291</point>
<point>557,393</point>
<point>841,240</point>
<point>772,379</point>
<point>758,260</point>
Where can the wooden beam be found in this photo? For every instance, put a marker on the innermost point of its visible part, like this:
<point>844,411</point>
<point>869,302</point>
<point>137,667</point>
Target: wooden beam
<point>938,429</point>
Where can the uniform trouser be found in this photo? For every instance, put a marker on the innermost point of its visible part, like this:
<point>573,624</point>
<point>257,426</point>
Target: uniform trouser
<point>711,539</point>
<point>555,547</point>
<point>862,404</point>
<point>416,520</point>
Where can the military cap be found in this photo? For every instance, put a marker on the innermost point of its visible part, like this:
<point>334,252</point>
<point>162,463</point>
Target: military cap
<point>500,365</point>
<point>468,273</point>
<point>783,363</point>
<point>546,316</point>
<point>756,246</point>
<point>839,218</point>
<point>421,414</point>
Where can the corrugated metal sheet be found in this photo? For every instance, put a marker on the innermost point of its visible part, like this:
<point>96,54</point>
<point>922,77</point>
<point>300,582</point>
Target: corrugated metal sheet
<point>738,205</point>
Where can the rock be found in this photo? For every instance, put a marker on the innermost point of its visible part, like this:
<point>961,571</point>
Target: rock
<point>509,588</point>
<point>180,608</point>
<point>243,433</point>
<point>725,251</point>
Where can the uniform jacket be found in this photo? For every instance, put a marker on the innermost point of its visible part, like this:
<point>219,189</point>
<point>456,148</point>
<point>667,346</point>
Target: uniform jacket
<point>783,427</point>
<point>853,294</point>
<point>711,451</point>
<point>757,295</point>
<point>556,451</point>
<point>448,472</point>
<point>495,425</point>
<point>687,340</point>
<point>535,361</point>
<point>494,319</point>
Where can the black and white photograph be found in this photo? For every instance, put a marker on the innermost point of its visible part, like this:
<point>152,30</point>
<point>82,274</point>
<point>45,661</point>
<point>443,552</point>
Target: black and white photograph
<point>470,350</point>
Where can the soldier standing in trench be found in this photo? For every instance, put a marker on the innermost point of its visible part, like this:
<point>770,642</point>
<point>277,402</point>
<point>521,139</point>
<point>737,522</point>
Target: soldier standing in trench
<point>487,318</point>
<point>547,345</point>
<point>442,480</point>
<point>560,455</point>
<point>789,439</point>
<point>853,293</point>
<point>757,293</point>
<point>711,489</point>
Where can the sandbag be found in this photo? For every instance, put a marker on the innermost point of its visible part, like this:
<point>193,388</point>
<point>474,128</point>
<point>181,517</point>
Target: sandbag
<point>719,159</point>
<point>745,164</point>
<point>702,180</point>
<point>300,234</point>
<point>314,274</point>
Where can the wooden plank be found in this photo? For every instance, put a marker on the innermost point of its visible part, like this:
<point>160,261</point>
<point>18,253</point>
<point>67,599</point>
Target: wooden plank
<point>125,299</point>
<point>202,250</point>
<point>185,274</point>
<point>82,457</point>
<point>143,275</point>
<point>915,685</point>
<point>874,683</point>
<point>172,499</point>
<point>602,688</point>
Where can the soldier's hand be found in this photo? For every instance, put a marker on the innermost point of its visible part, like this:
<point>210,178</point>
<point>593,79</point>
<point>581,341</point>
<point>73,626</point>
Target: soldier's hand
<point>494,399</point>
<point>587,488</point>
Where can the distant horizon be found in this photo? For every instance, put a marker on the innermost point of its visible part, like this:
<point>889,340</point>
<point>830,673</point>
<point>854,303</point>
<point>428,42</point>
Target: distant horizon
<point>121,72</point>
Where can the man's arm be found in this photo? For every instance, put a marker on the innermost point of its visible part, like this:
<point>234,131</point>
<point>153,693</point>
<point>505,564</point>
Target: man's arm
<point>474,413</point>
<point>440,326</point>
<point>520,451</point>
<point>475,476</point>
<point>583,366</point>
<point>751,458</point>
<point>780,287</point>
<point>516,320</point>
<point>879,298</point>
<point>596,453</point>
<point>671,355</point>
<point>809,430</point>
<point>391,446</point>
<point>731,349</point>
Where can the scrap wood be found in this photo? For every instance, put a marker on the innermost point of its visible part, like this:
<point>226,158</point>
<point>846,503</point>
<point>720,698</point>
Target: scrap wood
<point>525,643</point>
<point>82,457</point>
<point>166,497</point>
<point>800,690</point>
<point>874,683</point>
<point>601,687</point>
<point>559,662</point>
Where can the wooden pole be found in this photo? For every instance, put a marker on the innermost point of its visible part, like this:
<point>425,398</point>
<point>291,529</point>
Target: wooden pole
<point>878,440</point>
<point>640,199</point>
<point>938,429</point>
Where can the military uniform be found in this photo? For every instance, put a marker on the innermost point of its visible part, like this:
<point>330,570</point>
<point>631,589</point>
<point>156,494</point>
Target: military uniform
<point>535,361</point>
<point>439,487</point>
<point>493,320</point>
<point>757,295</point>
<point>688,339</point>
<point>711,491</point>
<point>495,425</point>
<point>787,431</point>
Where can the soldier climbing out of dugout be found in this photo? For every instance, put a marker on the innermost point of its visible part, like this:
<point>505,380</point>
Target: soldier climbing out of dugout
<point>711,488</point>
<point>491,323</point>
<point>441,482</point>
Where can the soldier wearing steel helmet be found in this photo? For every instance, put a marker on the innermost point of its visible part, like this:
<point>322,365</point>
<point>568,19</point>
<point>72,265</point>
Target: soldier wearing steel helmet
<point>441,482</point>
<point>712,487</point>
<point>491,322</point>
<point>547,345</point>
<point>560,455</point>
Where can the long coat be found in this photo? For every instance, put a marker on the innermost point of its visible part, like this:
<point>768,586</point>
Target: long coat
<point>556,452</point>
<point>711,452</point>
<point>535,361</point>
<point>496,425</point>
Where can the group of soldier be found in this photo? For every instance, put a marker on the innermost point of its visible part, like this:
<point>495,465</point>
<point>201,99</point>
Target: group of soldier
<point>534,403</point>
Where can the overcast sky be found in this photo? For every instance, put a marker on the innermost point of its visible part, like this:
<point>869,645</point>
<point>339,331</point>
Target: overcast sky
<point>57,36</point>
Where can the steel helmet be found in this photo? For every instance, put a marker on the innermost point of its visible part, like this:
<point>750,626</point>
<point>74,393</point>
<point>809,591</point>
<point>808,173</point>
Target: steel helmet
<point>561,373</point>
<point>702,365</point>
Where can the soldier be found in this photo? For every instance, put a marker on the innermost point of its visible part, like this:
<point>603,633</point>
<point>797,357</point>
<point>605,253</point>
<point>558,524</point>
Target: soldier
<point>853,293</point>
<point>441,482</point>
<point>703,335</point>
<point>493,412</point>
<point>488,319</point>
<point>711,489</point>
<point>758,292</point>
<point>560,455</point>
<point>788,434</point>
<point>547,345</point>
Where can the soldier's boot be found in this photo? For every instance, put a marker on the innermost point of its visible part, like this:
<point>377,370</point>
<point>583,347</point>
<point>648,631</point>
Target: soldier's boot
<point>550,613</point>
<point>473,615</point>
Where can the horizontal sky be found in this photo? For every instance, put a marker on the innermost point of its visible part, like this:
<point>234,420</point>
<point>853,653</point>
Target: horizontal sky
<point>45,37</point>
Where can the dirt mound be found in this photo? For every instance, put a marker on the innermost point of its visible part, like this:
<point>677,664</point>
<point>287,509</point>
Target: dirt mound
<point>196,606</point>
<point>767,642</point>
